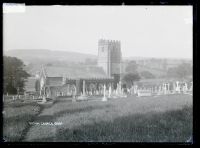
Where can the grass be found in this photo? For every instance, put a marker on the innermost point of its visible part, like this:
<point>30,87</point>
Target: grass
<point>16,117</point>
<point>146,119</point>
<point>171,126</point>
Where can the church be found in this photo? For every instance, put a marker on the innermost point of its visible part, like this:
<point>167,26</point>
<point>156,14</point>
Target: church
<point>54,81</point>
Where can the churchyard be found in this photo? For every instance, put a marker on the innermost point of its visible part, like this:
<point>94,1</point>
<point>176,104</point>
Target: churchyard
<point>164,118</point>
<point>74,78</point>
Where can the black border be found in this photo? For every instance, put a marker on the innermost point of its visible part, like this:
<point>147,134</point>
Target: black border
<point>196,124</point>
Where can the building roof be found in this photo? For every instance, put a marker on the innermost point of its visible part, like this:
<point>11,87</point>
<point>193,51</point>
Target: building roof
<point>30,84</point>
<point>75,72</point>
<point>54,81</point>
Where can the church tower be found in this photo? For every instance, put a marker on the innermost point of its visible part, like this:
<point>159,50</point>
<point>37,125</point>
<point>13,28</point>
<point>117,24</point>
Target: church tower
<point>109,57</point>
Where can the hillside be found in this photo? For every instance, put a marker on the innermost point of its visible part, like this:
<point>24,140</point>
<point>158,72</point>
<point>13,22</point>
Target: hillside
<point>35,58</point>
<point>38,56</point>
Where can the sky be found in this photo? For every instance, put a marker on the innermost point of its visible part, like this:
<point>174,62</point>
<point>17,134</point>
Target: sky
<point>144,31</point>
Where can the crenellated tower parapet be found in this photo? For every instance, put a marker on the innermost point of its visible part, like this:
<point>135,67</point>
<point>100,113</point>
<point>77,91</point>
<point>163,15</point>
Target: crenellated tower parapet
<point>109,56</point>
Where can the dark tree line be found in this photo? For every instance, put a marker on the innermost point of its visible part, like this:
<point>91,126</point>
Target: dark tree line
<point>14,75</point>
<point>132,75</point>
<point>181,71</point>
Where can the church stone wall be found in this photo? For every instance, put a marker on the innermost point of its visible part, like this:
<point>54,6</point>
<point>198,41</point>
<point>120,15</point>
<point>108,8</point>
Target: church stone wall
<point>103,55</point>
<point>109,56</point>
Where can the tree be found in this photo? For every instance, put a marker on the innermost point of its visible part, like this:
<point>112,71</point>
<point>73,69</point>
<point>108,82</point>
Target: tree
<point>181,71</point>
<point>14,75</point>
<point>131,67</point>
<point>147,75</point>
<point>130,78</point>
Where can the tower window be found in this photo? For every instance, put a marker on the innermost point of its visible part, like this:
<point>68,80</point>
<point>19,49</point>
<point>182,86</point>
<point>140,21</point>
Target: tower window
<point>102,49</point>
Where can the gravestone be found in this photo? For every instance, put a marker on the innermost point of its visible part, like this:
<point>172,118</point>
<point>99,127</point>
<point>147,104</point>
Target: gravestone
<point>178,89</point>
<point>132,90</point>
<point>165,88</point>
<point>104,93</point>
<point>160,91</point>
<point>186,86</point>
<point>174,88</point>
<point>191,88</point>
<point>97,92</point>
<point>83,87</point>
<point>109,92</point>
<point>44,99</point>
<point>73,99</point>
<point>168,86</point>
<point>135,87</point>
<point>115,94</point>
<point>117,89</point>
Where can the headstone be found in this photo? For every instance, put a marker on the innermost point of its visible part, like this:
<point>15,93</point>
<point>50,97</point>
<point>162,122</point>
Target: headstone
<point>120,87</point>
<point>83,95</point>
<point>178,87</point>
<point>132,90</point>
<point>104,93</point>
<point>83,87</point>
<point>159,90</point>
<point>44,99</point>
<point>135,87</point>
<point>74,98</point>
<point>174,88</point>
<point>191,88</point>
<point>117,89</point>
<point>166,88</point>
<point>109,92</point>
<point>75,92</point>
<point>186,86</point>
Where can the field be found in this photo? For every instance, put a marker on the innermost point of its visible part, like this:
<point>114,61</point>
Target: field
<point>16,115</point>
<point>147,119</point>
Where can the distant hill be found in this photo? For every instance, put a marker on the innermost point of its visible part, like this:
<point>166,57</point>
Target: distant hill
<point>44,56</point>
<point>35,58</point>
